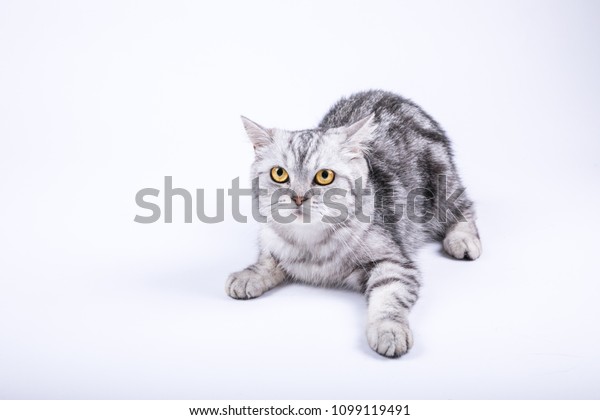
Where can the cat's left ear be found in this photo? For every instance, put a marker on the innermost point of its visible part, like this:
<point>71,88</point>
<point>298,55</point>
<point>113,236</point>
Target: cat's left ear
<point>359,133</point>
<point>258,135</point>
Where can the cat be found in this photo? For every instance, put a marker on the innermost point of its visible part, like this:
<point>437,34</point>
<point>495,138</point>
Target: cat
<point>388,148</point>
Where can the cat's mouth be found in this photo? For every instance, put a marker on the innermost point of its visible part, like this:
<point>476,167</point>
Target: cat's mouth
<point>302,214</point>
<point>299,213</point>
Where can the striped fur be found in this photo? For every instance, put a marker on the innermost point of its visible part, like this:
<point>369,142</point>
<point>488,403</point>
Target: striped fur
<point>382,143</point>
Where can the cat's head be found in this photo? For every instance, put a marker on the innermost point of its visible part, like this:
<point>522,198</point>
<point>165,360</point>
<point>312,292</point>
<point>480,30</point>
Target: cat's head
<point>309,177</point>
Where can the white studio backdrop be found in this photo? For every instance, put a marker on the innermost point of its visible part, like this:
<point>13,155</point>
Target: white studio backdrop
<point>101,99</point>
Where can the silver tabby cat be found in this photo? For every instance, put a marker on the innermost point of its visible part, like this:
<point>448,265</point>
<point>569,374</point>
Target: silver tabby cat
<point>389,166</point>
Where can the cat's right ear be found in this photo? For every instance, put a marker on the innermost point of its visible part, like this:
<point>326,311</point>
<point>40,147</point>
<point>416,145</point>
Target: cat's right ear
<point>258,135</point>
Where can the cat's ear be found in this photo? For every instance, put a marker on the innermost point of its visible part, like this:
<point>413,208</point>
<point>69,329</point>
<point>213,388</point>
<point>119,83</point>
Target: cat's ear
<point>358,134</point>
<point>258,135</point>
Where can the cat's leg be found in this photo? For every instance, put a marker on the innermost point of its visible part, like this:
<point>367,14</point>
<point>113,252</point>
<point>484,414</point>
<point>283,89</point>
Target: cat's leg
<point>255,280</point>
<point>391,290</point>
<point>462,240</point>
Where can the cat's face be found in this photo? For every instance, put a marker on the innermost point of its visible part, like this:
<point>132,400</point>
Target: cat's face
<point>309,177</point>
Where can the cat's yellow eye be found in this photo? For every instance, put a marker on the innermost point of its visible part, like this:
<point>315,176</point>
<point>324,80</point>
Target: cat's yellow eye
<point>278,174</point>
<point>324,177</point>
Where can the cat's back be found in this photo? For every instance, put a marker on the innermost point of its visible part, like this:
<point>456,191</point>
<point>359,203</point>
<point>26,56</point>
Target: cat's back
<point>391,111</point>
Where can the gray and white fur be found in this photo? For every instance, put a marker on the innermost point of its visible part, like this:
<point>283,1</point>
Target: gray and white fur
<point>393,148</point>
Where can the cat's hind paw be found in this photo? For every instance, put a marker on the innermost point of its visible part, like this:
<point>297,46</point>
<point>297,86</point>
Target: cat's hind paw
<point>462,245</point>
<point>389,338</point>
<point>245,284</point>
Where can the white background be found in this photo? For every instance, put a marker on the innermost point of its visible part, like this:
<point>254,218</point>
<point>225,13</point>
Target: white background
<point>101,99</point>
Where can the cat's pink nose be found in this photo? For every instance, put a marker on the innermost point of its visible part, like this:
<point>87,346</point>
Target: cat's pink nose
<point>298,200</point>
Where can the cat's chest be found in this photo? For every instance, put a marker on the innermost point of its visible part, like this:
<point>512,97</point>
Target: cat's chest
<point>325,273</point>
<point>325,265</point>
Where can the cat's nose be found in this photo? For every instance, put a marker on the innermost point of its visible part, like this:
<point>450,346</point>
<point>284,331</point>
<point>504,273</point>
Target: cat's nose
<point>298,199</point>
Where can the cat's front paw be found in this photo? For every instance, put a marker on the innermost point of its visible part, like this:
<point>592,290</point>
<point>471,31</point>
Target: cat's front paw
<point>245,284</point>
<point>462,245</point>
<point>389,338</point>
